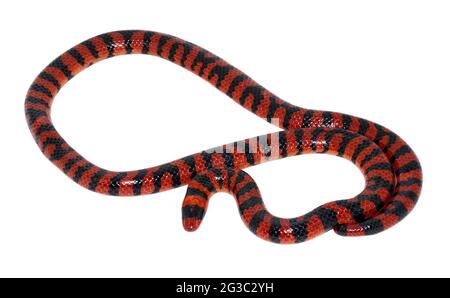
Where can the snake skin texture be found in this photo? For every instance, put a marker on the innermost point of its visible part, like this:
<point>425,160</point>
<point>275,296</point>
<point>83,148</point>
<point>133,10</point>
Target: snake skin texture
<point>391,169</point>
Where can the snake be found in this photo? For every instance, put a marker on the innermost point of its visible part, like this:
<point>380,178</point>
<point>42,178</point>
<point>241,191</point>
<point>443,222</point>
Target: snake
<point>392,172</point>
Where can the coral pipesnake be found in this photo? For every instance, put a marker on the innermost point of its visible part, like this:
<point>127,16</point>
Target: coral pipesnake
<point>391,169</point>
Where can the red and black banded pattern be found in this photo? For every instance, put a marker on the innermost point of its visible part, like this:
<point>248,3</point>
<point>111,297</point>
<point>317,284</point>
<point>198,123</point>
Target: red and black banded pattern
<point>391,169</point>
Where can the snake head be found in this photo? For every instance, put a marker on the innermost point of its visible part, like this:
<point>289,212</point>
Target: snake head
<point>192,215</point>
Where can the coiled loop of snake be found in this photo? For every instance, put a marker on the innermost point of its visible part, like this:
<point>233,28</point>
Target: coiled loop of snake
<point>391,169</point>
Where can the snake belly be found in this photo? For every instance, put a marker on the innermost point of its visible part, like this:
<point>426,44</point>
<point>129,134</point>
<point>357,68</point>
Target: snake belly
<point>391,170</point>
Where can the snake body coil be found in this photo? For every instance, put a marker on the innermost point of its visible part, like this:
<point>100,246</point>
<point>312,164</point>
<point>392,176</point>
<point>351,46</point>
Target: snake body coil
<point>392,171</point>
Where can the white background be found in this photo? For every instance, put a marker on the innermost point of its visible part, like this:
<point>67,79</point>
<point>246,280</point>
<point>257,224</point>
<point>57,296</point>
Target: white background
<point>387,61</point>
